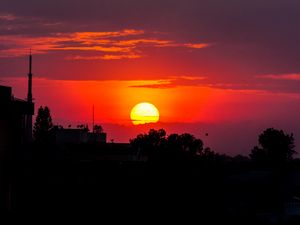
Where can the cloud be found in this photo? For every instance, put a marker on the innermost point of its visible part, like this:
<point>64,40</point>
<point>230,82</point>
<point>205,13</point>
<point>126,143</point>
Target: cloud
<point>145,42</point>
<point>292,77</point>
<point>160,84</point>
<point>197,46</point>
<point>172,82</point>
<point>246,30</point>
<point>179,81</point>
<point>104,57</point>
<point>89,36</point>
<point>8,17</point>
<point>113,57</point>
<point>125,43</point>
<point>280,84</point>
<point>246,33</point>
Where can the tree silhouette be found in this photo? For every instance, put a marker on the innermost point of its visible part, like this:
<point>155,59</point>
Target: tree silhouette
<point>207,153</point>
<point>157,143</point>
<point>191,144</point>
<point>98,129</point>
<point>149,144</point>
<point>185,143</point>
<point>276,147</point>
<point>42,125</point>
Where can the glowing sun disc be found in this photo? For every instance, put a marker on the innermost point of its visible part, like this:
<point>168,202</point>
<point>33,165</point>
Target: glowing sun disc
<point>143,113</point>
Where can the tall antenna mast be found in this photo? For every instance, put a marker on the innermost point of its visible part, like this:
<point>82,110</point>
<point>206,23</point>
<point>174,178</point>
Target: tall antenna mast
<point>29,100</point>
<point>29,94</point>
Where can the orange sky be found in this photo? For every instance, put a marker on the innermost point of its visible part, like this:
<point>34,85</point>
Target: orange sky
<point>233,118</point>
<point>72,101</point>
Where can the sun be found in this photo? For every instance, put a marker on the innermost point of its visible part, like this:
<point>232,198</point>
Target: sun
<point>143,113</point>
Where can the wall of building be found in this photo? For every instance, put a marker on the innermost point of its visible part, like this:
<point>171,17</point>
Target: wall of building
<point>12,138</point>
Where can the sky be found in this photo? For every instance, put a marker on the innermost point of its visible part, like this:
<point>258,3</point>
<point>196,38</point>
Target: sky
<point>227,68</point>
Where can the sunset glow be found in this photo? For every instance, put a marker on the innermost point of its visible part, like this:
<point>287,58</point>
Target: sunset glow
<point>134,108</point>
<point>143,113</point>
<point>198,62</point>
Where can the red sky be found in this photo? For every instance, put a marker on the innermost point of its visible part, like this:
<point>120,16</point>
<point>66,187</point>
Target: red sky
<point>206,65</point>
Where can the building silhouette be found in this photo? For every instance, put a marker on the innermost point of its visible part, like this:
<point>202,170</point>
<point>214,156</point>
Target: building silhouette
<point>61,135</point>
<point>16,115</point>
<point>15,132</point>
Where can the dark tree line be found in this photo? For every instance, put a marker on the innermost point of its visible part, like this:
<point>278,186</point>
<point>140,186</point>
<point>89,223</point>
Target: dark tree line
<point>275,149</point>
<point>156,143</point>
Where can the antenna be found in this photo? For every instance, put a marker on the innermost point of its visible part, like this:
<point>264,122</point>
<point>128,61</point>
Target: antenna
<point>29,100</point>
<point>29,93</point>
<point>30,61</point>
<point>93,119</point>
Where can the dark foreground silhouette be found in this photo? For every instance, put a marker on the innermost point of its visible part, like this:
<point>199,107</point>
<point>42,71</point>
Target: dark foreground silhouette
<point>157,178</point>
